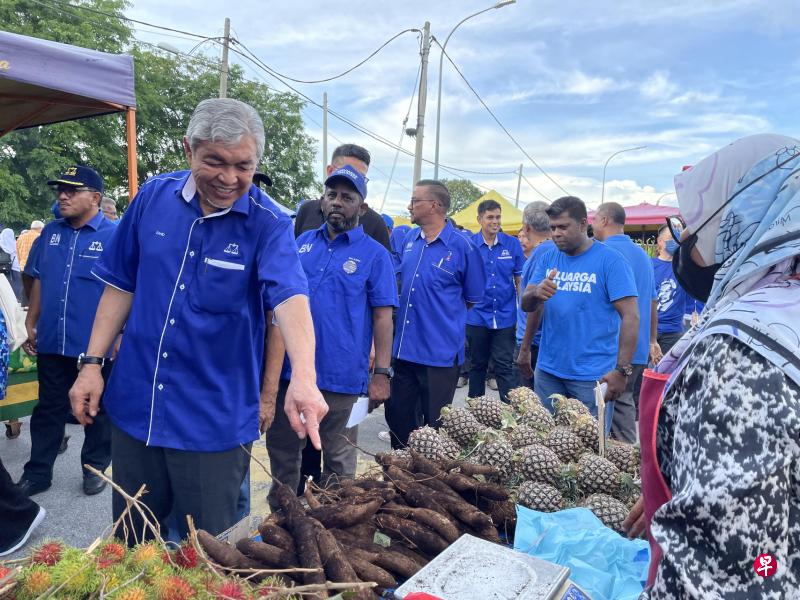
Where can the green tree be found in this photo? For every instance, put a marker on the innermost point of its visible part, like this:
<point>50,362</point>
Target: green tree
<point>167,90</point>
<point>462,193</point>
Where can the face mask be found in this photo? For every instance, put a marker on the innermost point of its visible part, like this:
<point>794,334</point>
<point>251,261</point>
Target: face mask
<point>671,247</point>
<point>696,280</point>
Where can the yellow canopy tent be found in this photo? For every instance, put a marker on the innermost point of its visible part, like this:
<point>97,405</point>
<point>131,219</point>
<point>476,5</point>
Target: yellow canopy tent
<point>402,220</point>
<point>468,217</point>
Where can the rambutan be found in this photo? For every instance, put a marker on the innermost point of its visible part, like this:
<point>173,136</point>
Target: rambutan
<point>144,554</point>
<point>131,593</point>
<point>4,571</point>
<point>173,588</point>
<point>34,583</point>
<point>186,557</point>
<point>230,590</point>
<point>48,553</point>
<point>76,572</point>
<point>110,554</point>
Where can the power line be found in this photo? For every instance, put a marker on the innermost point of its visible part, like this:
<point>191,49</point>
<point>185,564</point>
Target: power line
<point>533,187</point>
<point>503,127</point>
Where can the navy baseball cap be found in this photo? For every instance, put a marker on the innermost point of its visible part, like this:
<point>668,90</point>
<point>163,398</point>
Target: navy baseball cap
<point>79,176</point>
<point>349,174</point>
<point>388,220</point>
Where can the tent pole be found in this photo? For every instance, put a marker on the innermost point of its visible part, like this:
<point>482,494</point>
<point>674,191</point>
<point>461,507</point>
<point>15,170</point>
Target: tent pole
<point>133,176</point>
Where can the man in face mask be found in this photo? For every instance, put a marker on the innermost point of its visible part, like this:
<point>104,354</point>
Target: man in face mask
<point>672,298</point>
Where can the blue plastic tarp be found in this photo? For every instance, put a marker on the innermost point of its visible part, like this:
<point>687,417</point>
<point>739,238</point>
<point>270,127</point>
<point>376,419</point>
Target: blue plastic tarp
<point>602,562</point>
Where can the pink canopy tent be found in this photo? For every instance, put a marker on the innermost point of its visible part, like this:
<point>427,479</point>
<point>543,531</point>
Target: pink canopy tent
<point>645,214</point>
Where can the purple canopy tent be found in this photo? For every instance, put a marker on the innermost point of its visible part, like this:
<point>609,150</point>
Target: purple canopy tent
<point>44,82</point>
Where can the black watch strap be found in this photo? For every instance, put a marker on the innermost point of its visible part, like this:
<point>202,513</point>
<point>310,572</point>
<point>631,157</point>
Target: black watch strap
<point>90,360</point>
<point>389,371</point>
<point>626,370</point>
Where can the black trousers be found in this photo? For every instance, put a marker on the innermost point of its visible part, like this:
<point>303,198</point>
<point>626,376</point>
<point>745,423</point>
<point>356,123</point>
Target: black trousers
<point>204,485</point>
<point>667,340</point>
<point>17,511</point>
<point>497,345</point>
<point>56,375</point>
<point>419,393</point>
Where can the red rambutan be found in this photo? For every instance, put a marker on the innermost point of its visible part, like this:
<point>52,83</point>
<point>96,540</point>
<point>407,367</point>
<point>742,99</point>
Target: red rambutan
<point>174,588</point>
<point>186,557</point>
<point>230,590</point>
<point>48,553</point>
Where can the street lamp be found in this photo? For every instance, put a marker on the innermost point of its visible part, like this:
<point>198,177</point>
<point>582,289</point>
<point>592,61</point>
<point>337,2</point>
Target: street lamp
<point>662,196</point>
<point>603,193</point>
<point>441,63</point>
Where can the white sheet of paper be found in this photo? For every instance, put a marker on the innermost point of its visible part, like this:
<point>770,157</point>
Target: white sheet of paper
<point>359,412</point>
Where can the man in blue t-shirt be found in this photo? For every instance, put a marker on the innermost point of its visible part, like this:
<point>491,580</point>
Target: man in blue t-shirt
<point>491,323</point>
<point>672,300</point>
<point>587,297</point>
<point>536,231</point>
<point>609,228</point>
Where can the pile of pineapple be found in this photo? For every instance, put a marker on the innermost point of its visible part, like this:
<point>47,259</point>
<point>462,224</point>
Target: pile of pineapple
<point>548,461</point>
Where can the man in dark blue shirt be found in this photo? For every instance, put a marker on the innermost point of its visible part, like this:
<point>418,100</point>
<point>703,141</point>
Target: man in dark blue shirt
<point>608,225</point>
<point>64,297</point>
<point>195,263</point>
<point>491,323</point>
<point>441,276</point>
<point>352,289</point>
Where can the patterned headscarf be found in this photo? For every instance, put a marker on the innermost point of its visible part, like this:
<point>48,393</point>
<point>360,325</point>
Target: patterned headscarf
<point>756,238</point>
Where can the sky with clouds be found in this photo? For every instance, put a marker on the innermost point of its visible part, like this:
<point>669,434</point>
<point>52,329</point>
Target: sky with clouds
<point>574,81</point>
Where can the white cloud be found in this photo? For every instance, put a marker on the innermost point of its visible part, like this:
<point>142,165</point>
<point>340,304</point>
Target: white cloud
<point>581,84</point>
<point>658,87</point>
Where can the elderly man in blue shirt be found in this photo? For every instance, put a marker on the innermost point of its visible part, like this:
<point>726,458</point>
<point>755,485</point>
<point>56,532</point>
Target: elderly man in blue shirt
<point>491,323</point>
<point>352,290</point>
<point>197,260</point>
<point>64,297</point>
<point>441,276</point>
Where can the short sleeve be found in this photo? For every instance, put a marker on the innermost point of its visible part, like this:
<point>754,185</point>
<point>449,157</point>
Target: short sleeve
<point>119,265</point>
<point>619,279</point>
<point>382,282</point>
<point>519,256</point>
<point>32,266</point>
<point>278,264</point>
<point>539,269</point>
<point>474,276</point>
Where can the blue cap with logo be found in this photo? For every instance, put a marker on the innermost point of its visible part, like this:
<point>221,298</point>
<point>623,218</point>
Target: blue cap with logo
<point>349,174</point>
<point>79,176</point>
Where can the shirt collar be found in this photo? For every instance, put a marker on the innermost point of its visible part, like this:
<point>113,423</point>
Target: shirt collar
<point>480,240</point>
<point>187,187</point>
<point>445,235</point>
<point>95,221</point>
<point>352,236</point>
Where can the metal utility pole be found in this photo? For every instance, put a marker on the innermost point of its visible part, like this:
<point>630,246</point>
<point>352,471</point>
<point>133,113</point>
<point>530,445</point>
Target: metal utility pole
<point>423,95</point>
<point>324,136</point>
<point>519,183</point>
<point>223,67</point>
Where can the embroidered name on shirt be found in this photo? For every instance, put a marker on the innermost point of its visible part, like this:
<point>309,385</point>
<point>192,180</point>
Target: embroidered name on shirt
<point>96,246</point>
<point>55,239</point>
<point>305,248</point>
<point>232,249</point>
<point>575,282</point>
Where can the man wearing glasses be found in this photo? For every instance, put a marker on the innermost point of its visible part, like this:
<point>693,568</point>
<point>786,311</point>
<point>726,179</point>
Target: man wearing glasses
<point>64,298</point>
<point>442,275</point>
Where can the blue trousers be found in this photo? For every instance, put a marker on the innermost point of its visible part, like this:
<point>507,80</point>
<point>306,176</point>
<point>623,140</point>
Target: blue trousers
<point>547,384</point>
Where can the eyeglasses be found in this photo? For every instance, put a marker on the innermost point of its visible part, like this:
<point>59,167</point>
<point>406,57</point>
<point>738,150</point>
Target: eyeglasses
<point>418,200</point>
<point>71,191</point>
<point>676,226</point>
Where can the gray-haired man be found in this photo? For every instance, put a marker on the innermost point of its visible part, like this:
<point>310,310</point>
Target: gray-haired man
<point>536,228</point>
<point>191,271</point>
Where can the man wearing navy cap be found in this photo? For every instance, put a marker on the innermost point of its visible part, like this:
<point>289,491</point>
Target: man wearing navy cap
<point>194,265</point>
<point>441,276</point>
<point>64,297</point>
<point>352,292</point>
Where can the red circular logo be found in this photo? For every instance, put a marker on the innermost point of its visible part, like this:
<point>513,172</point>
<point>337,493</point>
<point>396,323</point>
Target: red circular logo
<point>765,565</point>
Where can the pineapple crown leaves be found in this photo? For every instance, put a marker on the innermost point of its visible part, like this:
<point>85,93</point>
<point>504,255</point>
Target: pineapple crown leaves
<point>508,420</point>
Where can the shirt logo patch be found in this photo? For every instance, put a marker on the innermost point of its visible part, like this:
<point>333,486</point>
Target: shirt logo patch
<point>232,249</point>
<point>55,239</point>
<point>96,246</point>
<point>305,248</point>
<point>160,233</point>
<point>409,245</point>
<point>350,266</point>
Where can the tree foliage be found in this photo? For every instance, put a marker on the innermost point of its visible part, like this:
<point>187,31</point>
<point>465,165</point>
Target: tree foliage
<point>167,90</point>
<point>462,193</point>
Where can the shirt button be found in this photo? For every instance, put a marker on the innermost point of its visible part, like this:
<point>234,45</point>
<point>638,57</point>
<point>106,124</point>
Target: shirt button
<point>407,322</point>
<point>417,275</point>
<point>201,221</point>
<point>410,306</point>
<point>412,289</point>
<point>160,386</point>
<point>191,253</point>
<point>182,286</point>
<point>172,321</point>
<point>164,355</point>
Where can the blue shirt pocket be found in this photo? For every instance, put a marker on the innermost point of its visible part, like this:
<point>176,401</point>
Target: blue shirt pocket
<point>221,286</point>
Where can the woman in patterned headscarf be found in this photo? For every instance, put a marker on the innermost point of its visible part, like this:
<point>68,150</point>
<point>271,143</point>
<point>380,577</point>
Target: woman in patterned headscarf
<point>721,444</point>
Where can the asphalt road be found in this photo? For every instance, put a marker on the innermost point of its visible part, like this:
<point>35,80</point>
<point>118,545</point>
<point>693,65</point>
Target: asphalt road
<point>79,519</point>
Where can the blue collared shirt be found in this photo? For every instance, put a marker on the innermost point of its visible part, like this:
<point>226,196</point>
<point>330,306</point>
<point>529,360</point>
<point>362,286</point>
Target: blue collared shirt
<point>437,278</point>
<point>347,278</point>
<point>503,262</point>
<point>63,261</point>
<point>188,371</point>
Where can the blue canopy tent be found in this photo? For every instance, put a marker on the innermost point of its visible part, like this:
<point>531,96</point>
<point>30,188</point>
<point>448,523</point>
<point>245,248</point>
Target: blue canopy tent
<point>44,82</point>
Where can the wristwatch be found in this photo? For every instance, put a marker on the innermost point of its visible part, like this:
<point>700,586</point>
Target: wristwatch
<point>389,371</point>
<point>626,370</point>
<point>90,360</point>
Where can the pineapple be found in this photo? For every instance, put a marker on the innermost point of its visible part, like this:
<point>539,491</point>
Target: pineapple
<point>562,403</point>
<point>450,448</point>
<point>598,475</point>
<point>524,435</point>
<point>564,443</point>
<point>427,442</point>
<point>624,456</point>
<point>522,398</point>
<point>461,425</point>
<point>538,418</point>
<point>539,496</point>
<point>488,411</point>
<point>539,463</point>
<point>629,490</point>
<point>495,451</point>
<point>565,418</point>
<point>585,427</point>
<point>609,510</point>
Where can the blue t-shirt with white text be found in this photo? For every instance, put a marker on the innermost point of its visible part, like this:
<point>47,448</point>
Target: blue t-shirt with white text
<point>580,325</point>
<point>524,280</point>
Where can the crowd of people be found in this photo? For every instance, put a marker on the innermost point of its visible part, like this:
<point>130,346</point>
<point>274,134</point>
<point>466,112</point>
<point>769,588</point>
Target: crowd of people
<point>128,321</point>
